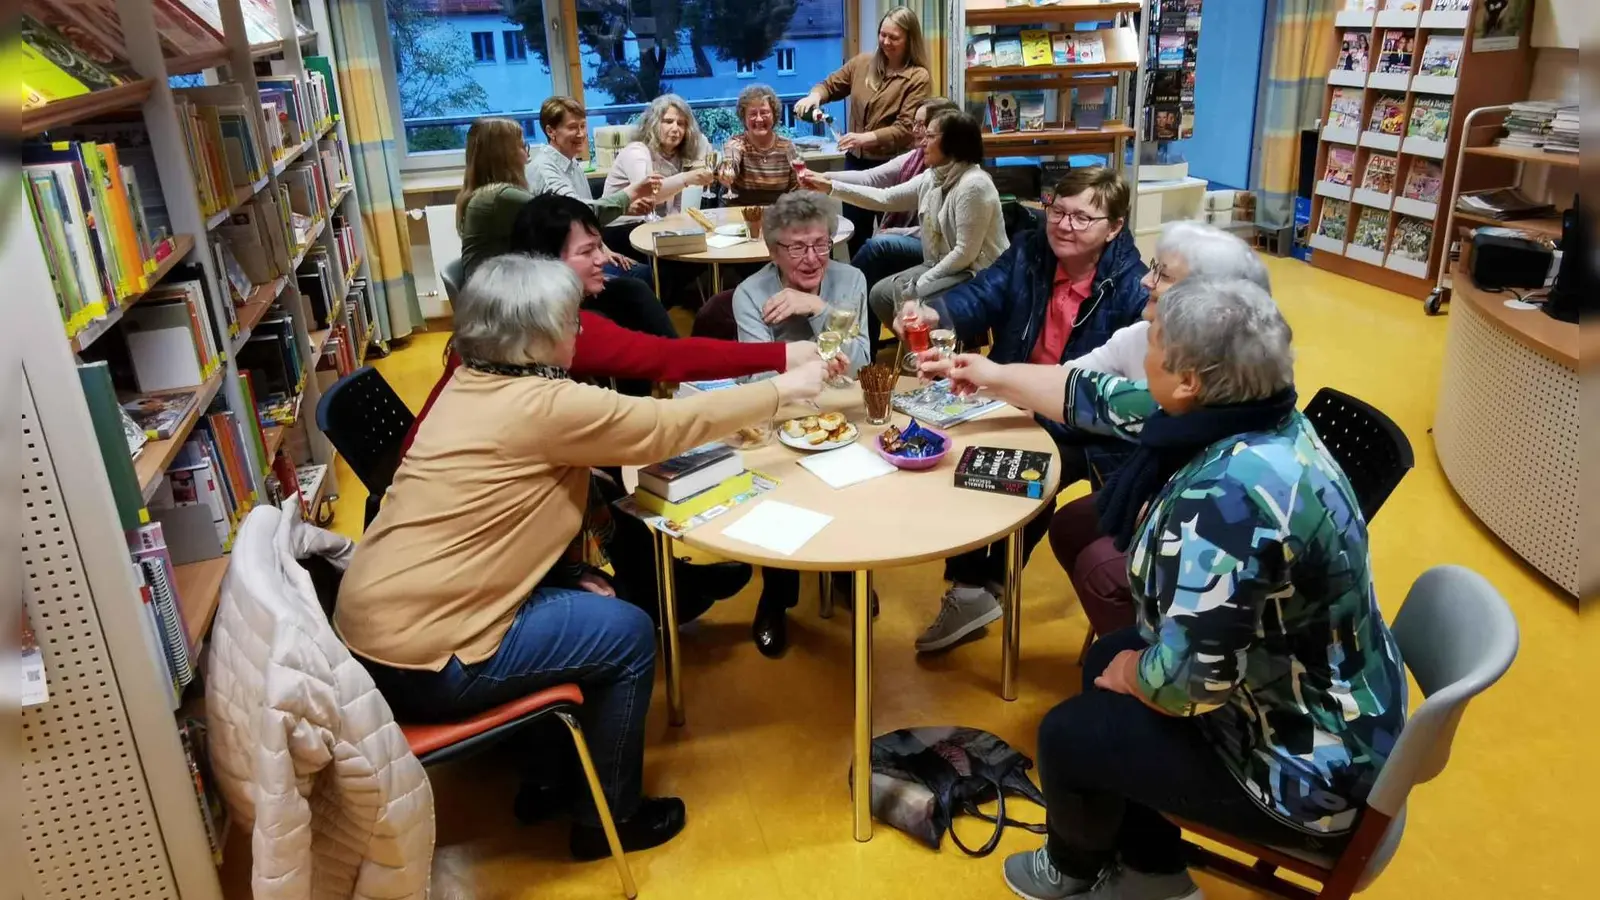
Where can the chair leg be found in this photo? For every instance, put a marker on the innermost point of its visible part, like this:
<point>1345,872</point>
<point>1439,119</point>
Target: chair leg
<point>825,594</point>
<point>1088,641</point>
<point>629,889</point>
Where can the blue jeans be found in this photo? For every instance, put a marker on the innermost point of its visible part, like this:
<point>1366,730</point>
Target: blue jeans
<point>882,256</point>
<point>604,645</point>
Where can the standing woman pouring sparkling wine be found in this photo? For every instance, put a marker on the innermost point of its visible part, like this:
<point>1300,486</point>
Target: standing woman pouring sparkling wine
<point>884,88</point>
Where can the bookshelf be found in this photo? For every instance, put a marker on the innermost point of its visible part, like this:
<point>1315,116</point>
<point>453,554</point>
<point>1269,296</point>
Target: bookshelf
<point>1049,121</point>
<point>1394,238</point>
<point>135,828</point>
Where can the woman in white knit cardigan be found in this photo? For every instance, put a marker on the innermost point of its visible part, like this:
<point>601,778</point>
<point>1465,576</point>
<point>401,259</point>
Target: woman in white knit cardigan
<point>957,203</point>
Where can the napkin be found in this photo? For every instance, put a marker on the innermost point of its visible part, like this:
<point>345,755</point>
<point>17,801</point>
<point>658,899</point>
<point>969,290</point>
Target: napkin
<point>851,464</point>
<point>724,241</point>
<point>777,526</point>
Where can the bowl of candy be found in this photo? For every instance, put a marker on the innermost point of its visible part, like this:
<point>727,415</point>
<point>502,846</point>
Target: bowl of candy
<point>915,447</point>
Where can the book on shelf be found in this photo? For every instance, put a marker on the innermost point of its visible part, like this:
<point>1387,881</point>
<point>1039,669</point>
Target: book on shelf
<point>1413,238</point>
<point>282,479</point>
<point>1341,165</point>
<point>95,27</point>
<point>1344,111</point>
<point>1502,203</point>
<point>1372,229</point>
<point>1430,118</point>
<point>1529,123</point>
<point>171,339</point>
<point>1441,55</point>
<point>1030,110</point>
<point>1450,5</point>
<point>48,67</point>
<point>147,545</point>
<point>1089,108</point>
<point>1354,48</point>
<point>1378,176</point>
<point>133,434</point>
<point>210,474</point>
<point>260,19</point>
<point>980,51</point>
<point>1424,180</point>
<point>272,356</point>
<point>324,67</point>
<point>1036,47</point>
<point>1002,112</point>
<point>344,240</point>
<point>105,415</point>
<point>320,283</point>
<point>1563,134</point>
<point>1388,114</point>
<point>1395,50</point>
<point>252,425</point>
<point>1077,47</point>
<point>257,237</point>
<point>1168,122</point>
<point>158,416</point>
<point>226,151</point>
<point>1171,51</point>
<point>1335,219</point>
<point>1008,51</point>
<point>213,811</point>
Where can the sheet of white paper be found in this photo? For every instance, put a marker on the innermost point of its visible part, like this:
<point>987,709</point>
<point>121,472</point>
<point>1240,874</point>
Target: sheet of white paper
<point>778,526</point>
<point>723,241</point>
<point>851,464</point>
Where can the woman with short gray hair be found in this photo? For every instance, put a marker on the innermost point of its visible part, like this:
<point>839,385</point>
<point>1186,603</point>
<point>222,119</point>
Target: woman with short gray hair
<point>465,593</point>
<point>1261,691</point>
<point>758,165</point>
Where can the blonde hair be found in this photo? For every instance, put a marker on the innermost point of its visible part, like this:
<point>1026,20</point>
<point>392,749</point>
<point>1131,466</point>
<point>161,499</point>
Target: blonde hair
<point>494,156</point>
<point>691,148</point>
<point>904,19</point>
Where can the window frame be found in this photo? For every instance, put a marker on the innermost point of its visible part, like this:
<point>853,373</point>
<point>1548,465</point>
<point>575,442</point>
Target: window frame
<point>484,50</point>
<point>777,61</point>
<point>566,72</point>
<point>515,46</point>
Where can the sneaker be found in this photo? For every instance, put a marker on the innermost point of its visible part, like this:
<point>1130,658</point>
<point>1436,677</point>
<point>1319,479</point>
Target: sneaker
<point>1032,876</point>
<point>657,820</point>
<point>964,609</point>
<point>1123,883</point>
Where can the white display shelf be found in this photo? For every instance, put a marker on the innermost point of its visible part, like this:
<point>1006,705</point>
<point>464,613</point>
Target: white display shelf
<point>1354,18</point>
<point>1364,254</point>
<point>1446,18</point>
<point>1419,208</point>
<point>1416,268</point>
<point>1341,135</point>
<point>1372,199</point>
<point>1398,18</point>
<point>1417,146</point>
<point>1348,77</point>
<point>1327,188</point>
<point>1326,244</point>
<point>1435,84</point>
<point>1377,140</point>
<point>1389,81</point>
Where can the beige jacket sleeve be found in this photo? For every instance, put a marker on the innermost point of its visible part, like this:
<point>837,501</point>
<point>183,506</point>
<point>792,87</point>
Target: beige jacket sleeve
<point>604,428</point>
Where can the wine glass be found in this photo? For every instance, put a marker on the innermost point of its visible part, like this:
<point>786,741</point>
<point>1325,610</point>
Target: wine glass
<point>943,340</point>
<point>844,323</point>
<point>913,329</point>
<point>713,160</point>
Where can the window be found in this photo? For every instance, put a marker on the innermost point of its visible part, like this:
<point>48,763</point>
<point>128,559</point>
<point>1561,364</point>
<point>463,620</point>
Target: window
<point>483,46</point>
<point>630,51</point>
<point>516,46</point>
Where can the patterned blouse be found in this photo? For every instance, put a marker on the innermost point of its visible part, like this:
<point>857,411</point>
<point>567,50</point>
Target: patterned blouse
<point>761,176</point>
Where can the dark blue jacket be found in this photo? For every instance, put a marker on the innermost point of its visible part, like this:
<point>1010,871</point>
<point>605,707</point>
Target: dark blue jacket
<point>1008,300</point>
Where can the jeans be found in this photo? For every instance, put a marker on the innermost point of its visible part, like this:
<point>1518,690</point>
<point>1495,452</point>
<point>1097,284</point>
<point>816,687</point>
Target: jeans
<point>604,645</point>
<point>1110,766</point>
<point>987,565</point>
<point>1097,569</point>
<point>863,219</point>
<point>882,256</point>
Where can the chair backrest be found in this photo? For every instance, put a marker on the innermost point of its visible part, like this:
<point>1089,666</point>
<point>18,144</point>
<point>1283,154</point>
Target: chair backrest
<point>454,275</point>
<point>1371,449</point>
<point>367,423</point>
<point>715,318</point>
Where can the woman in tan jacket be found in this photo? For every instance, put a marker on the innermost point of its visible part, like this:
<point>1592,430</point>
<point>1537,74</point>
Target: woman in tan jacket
<point>458,600</point>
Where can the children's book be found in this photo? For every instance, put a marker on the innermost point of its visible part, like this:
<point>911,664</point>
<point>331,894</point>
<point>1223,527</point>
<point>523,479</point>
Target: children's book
<point>1030,110</point>
<point>1008,51</point>
<point>1036,48</point>
<point>980,51</point>
<point>1002,112</point>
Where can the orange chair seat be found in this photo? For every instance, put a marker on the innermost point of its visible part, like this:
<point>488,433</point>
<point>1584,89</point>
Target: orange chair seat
<point>430,737</point>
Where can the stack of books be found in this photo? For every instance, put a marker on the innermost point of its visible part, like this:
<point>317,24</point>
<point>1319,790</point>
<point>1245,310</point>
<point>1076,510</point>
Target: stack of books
<point>1563,135</point>
<point>158,585</point>
<point>1502,204</point>
<point>1528,123</point>
<point>225,150</point>
<point>687,485</point>
<point>171,340</point>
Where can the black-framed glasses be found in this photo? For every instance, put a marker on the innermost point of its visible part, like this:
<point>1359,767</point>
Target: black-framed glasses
<point>1158,270</point>
<point>799,251</point>
<point>1077,220</point>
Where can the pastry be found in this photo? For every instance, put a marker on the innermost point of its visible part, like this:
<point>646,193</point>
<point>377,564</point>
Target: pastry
<point>830,421</point>
<point>808,423</point>
<point>817,436</point>
<point>844,432</point>
<point>793,428</point>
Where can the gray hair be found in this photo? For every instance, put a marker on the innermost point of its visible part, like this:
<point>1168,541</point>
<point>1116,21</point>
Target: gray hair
<point>649,124</point>
<point>797,209</point>
<point>1212,254</point>
<point>1231,335</point>
<point>758,93</point>
<point>515,309</point>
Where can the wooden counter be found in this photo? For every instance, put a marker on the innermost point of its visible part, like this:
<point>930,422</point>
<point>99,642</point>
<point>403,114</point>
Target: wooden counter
<point>1506,428</point>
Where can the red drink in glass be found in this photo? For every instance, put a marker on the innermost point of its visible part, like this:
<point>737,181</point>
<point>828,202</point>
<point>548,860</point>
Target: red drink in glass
<point>916,332</point>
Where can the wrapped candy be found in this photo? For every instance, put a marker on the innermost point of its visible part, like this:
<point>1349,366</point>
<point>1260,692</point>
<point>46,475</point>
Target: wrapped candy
<point>913,442</point>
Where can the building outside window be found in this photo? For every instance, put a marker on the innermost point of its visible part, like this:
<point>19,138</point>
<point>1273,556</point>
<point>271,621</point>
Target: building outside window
<point>630,52</point>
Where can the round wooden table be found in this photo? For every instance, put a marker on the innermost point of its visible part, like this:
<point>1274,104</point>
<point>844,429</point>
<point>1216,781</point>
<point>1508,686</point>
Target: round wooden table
<point>895,520</point>
<point>746,252</point>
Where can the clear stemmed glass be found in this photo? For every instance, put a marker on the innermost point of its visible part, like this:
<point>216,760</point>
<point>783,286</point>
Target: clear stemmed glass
<point>845,325</point>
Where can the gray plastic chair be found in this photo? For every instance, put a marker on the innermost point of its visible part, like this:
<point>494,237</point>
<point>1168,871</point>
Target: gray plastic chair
<point>453,275</point>
<point>1457,635</point>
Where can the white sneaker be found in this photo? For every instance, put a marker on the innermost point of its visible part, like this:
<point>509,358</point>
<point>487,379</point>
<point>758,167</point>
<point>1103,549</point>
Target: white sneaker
<point>963,610</point>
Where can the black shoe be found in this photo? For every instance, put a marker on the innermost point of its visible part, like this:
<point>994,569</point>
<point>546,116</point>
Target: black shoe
<point>658,820</point>
<point>541,802</point>
<point>717,581</point>
<point>844,592</point>
<point>770,630</point>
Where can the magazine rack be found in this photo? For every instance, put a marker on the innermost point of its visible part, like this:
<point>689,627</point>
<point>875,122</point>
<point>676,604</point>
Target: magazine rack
<point>1402,234</point>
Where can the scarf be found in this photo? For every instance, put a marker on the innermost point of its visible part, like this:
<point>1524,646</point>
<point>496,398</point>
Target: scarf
<point>514,370</point>
<point>1166,444</point>
<point>913,167</point>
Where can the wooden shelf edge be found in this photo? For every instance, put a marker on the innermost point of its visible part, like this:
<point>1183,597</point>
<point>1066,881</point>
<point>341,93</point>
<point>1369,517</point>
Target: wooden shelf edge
<point>1000,14</point>
<point>1564,160</point>
<point>1547,226</point>
<point>158,455</point>
<point>76,109</point>
<point>181,245</point>
<point>199,595</point>
<point>989,73</point>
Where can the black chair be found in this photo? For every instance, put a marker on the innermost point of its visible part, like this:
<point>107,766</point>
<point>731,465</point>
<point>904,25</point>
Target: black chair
<point>1371,449</point>
<point>367,423</point>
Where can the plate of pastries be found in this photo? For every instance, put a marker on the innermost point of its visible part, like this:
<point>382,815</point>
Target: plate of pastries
<point>828,431</point>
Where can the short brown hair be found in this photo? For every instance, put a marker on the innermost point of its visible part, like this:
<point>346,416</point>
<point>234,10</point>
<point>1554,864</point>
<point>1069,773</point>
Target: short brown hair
<point>758,93</point>
<point>555,111</point>
<point>1110,189</point>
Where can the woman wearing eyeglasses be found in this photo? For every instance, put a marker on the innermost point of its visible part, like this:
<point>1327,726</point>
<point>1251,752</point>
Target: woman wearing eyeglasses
<point>791,299</point>
<point>1057,294</point>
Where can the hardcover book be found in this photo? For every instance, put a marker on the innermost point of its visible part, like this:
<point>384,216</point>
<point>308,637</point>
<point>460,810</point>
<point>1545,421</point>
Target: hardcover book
<point>159,415</point>
<point>1008,51</point>
<point>1036,48</point>
<point>1021,473</point>
<point>1379,173</point>
<point>1030,110</point>
<point>1002,113</point>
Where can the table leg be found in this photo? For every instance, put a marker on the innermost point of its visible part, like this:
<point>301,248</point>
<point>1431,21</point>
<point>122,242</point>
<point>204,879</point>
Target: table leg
<point>670,656</point>
<point>1011,624</point>
<point>716,279</point>
<point>861,761</point>
<point>825,595</point>
<point>655,274</point>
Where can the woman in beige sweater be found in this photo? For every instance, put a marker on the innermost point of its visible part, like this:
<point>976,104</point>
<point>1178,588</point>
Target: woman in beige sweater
<point>457,599</point>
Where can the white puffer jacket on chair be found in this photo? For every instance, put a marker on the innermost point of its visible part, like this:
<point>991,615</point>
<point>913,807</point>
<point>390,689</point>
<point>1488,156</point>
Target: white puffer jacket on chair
<point>305,750</point>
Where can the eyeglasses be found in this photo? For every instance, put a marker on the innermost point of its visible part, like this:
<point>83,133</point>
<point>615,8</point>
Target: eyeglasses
<point>799,251</point>
<point>1076,220</point>
<point>1158,270</point>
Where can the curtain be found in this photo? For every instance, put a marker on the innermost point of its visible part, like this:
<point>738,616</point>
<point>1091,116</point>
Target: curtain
<point>369,126</point>
<point>1301,36</point>
<point>931,14</point>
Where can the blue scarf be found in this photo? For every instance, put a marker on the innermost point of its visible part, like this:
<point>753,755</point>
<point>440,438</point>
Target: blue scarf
<point>1166,444</point>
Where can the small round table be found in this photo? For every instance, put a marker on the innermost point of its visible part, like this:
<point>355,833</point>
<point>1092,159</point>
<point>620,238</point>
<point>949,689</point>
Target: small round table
<point>746,252</point>
<point>895,520</point>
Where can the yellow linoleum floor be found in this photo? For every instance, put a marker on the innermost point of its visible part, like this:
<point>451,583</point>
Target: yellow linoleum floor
<point>762,761</point>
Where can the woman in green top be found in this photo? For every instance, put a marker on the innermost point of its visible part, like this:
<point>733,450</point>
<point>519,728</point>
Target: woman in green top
<point>495,187</point>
